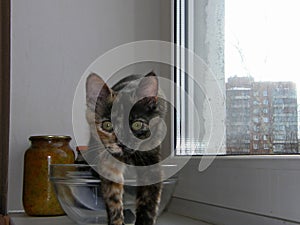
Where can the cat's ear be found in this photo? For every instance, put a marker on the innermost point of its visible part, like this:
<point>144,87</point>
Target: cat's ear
<point>148,86</point>
<point>96,88</point>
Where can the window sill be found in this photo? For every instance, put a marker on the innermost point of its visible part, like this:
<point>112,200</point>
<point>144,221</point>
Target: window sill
<point>282,162</point>
<point>164,219</point>
<point>266,186</point>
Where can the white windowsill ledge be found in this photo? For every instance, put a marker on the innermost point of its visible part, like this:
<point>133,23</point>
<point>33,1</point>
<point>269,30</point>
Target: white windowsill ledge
<point>164,219</point>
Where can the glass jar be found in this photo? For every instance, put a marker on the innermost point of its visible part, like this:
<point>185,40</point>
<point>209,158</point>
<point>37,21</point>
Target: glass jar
<point>39,198</point>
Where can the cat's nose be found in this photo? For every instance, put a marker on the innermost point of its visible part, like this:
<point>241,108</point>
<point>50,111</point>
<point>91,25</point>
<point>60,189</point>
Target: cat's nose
<point>121,145</point>
<point>125,148</point>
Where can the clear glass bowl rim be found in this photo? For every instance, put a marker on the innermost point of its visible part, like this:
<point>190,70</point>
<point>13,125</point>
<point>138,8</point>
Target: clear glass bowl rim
<point>94,181</point>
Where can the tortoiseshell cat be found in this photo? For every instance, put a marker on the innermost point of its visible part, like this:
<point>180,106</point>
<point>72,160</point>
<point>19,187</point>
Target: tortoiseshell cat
<point>100,99</point>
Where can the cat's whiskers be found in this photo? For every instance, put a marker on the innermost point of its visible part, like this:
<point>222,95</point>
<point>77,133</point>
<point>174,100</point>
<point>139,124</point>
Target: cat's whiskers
<point>93,154</point>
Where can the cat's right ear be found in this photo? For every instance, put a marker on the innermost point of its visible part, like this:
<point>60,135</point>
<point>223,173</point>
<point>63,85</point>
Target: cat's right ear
<point>96,89</point>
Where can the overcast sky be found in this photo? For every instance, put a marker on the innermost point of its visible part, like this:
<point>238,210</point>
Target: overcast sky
<point>262,39</point>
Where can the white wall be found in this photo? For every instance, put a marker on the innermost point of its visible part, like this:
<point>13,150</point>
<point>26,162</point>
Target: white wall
<point>53,42</point>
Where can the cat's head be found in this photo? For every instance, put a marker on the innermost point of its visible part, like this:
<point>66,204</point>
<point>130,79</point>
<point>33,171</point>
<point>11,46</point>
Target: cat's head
<point>120,116</point>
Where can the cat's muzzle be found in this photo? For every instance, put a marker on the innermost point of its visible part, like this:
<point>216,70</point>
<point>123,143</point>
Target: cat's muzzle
<point>125,149</point>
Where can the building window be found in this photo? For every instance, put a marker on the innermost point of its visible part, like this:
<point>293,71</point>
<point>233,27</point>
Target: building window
<point>256,111</point>
<point>255,102</point>
<point>256,128</point>
<point>265,110</point>
<point>265,93</point>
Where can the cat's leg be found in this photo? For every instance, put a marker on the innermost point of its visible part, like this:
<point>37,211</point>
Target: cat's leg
<point>148,199</point>
<point>148,196</point>
<point>112,195</point>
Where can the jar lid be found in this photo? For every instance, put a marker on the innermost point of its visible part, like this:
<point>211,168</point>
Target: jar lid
<point>49,137</point>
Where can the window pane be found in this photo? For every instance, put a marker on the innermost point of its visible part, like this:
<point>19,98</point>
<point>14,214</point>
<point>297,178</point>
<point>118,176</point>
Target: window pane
<point>260,62</point>
<point>252,48</point>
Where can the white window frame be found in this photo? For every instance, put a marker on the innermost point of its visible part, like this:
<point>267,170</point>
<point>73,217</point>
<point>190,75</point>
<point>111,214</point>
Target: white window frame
<point>255,137</point>
<point>247,189</point>
<point>189,140</point>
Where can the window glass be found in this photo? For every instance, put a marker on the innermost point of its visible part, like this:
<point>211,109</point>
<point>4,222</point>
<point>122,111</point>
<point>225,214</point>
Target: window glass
<point>260,53</point>
<point>252,49</point>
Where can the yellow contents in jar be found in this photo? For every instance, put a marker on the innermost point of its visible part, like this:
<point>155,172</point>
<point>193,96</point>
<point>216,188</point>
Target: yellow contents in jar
<point>39,198</point>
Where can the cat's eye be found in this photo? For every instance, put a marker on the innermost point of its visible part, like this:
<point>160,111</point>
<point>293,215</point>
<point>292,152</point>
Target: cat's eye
<point>107,126</point>
<point>137,125</point>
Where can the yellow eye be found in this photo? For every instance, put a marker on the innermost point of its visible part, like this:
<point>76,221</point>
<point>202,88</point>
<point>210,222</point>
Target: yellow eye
<point>107,126</point>
<point>137,125</point>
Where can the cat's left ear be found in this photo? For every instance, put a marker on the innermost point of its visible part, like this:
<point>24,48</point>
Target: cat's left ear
<point>96,88</point>
<point>148,86</point>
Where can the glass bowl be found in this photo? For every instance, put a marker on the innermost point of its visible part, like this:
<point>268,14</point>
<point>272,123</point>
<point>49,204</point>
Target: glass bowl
<point>77,187</point>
